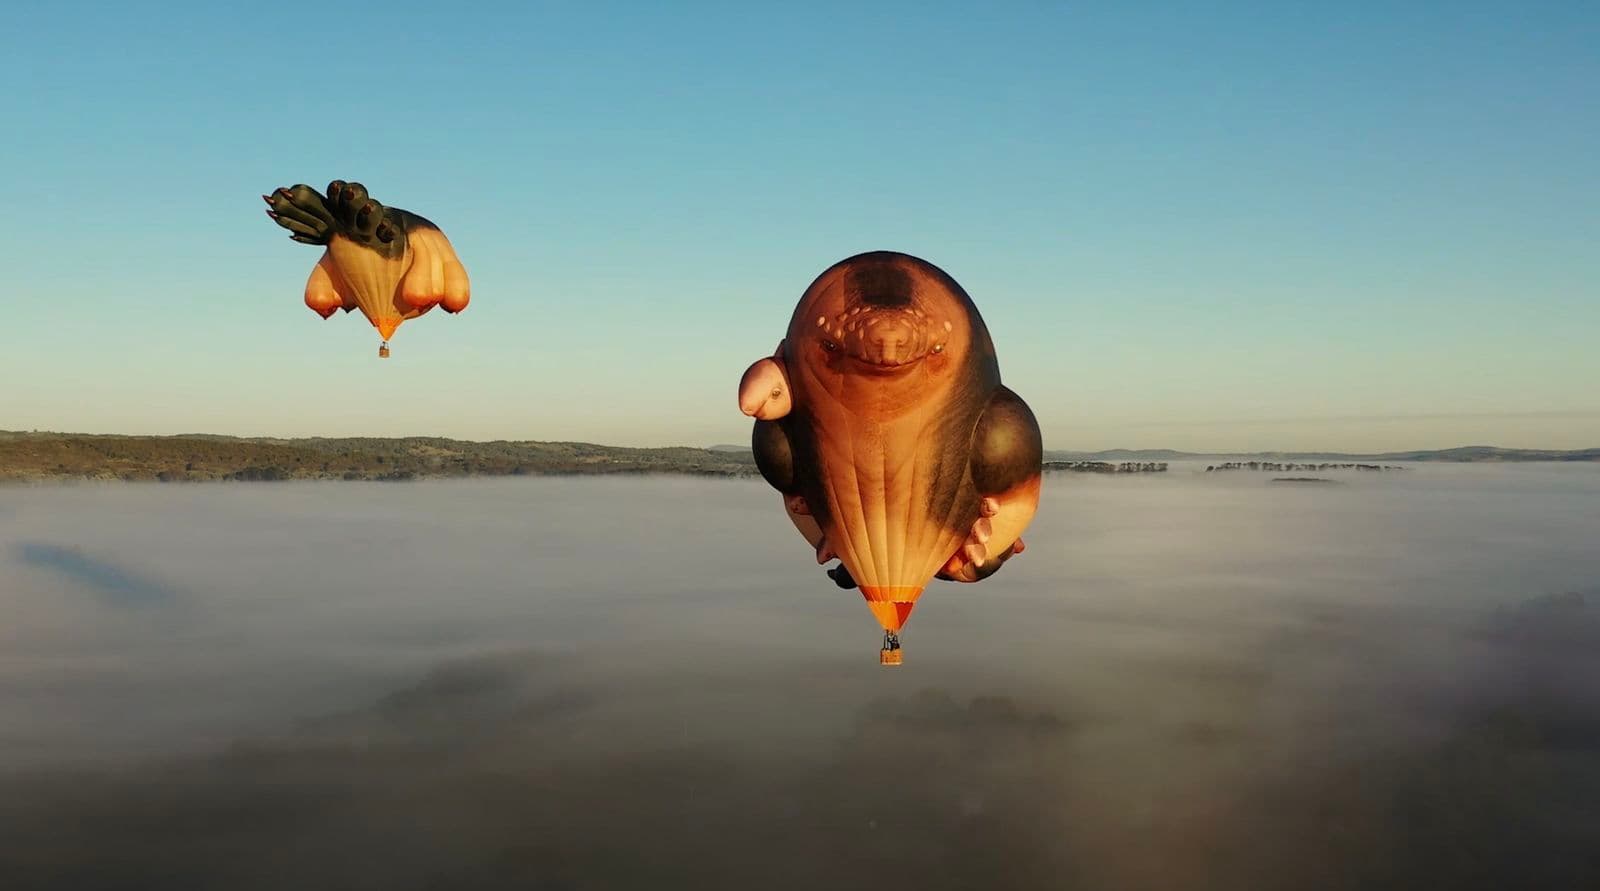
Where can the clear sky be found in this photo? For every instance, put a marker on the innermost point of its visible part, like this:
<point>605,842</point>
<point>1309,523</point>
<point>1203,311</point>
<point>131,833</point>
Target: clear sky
<point>1280,225</point>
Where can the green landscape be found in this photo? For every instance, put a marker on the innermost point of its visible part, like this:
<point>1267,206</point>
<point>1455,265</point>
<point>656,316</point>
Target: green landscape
<point>42,456</point>
<point>30,457</point>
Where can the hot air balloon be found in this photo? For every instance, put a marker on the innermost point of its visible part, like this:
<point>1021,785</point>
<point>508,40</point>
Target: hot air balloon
<point>882,420</point>
<point>390,263</point>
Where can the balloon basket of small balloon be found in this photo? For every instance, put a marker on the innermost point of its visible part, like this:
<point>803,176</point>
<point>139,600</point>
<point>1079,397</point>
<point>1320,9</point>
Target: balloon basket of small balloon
<point>383,350</point>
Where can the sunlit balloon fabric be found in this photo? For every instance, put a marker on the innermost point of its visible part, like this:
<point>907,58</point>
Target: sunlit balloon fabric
<point>391,264</point>
<point>882,420</point>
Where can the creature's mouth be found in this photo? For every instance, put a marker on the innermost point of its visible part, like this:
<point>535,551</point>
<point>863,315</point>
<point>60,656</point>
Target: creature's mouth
<point>885,364</point>
<point>885,341</point>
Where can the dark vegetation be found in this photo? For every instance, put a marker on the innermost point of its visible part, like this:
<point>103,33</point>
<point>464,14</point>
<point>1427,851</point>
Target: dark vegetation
<point>1462,455</point>
<point>201,458</point>
<point>1105,467</point>
<point>1279,468</point>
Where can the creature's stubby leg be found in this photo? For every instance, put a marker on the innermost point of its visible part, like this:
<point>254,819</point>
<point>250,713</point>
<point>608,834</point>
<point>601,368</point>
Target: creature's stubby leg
<point>775,460</point>
<point>324,292</point>
<point>436,276</point>
<point>774,456</point>
<point>1007,456</point>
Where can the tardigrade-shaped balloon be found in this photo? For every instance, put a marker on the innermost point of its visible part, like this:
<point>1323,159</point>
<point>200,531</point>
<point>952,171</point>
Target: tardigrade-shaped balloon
<point>882,420</point>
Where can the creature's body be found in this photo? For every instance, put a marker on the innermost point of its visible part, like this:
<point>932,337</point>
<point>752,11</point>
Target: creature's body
<point>391,264</point>
<point>883,422</point>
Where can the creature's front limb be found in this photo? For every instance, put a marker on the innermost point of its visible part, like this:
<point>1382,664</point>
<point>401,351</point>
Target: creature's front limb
<point>1007,458</point>
<point>775,460</point>
<point>346,211</point>
<point>983,554</point>
<point>303,211</point>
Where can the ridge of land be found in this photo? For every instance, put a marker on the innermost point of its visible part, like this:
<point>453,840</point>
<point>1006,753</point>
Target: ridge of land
<point>199,457</point>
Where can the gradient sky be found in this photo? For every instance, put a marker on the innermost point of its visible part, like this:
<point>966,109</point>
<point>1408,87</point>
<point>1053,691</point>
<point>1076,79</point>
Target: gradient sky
<point>1278,226</point>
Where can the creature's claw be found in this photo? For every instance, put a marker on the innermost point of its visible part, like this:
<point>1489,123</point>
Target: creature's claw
<point>302,211</point>
<point>976,548</point>
<point>824,553</point>
<point>358,214</point>
<point>296,227</point>
<point>964,566</point>
<point>841,577</point>
<point>345,199</point>
<point>980,556</point>
<point>975,553</point>
<point>367,219</point>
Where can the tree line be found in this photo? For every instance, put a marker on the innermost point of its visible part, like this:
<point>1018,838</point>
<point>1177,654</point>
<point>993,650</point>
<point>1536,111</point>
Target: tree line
<point>1105,467</point>
<point>1276,467</point>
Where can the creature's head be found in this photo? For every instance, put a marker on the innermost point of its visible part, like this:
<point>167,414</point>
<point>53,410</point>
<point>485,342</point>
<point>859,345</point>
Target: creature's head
<point>888,319</point>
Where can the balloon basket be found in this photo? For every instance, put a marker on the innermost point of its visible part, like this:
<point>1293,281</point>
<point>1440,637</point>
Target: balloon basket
<point>383,350</point>
<point>890,654</point>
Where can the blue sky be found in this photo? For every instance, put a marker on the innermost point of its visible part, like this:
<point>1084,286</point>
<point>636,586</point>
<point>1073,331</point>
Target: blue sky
<point>1274,226</point>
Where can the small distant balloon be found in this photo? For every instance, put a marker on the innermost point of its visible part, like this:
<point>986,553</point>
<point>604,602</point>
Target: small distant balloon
<point>390,263</point>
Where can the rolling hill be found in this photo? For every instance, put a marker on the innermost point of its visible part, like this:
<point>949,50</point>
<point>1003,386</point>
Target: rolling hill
<point>199,457</point>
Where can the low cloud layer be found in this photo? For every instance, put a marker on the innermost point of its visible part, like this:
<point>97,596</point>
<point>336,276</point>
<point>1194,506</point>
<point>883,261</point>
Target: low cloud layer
<point>1183,683</point>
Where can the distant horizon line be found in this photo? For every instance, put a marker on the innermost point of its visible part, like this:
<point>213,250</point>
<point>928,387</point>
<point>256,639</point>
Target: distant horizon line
<point>1155,451</point>
<point>1422,416</point>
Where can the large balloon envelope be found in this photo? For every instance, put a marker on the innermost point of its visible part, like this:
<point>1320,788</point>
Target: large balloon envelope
<point>391,264</point>
<point>882,420</point>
